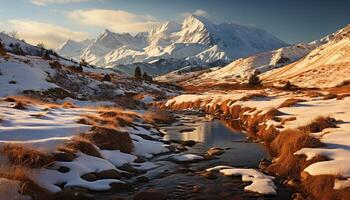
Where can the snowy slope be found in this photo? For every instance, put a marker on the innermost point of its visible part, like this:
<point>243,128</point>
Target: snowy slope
<point>196,39</point>
<point>326,66</point>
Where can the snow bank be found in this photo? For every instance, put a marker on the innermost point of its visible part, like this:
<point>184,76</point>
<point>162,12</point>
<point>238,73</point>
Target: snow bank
<point>261,183</point>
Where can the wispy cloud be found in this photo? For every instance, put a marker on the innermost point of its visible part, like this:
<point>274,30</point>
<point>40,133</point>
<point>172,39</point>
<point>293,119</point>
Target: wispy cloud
<point>51,35</point>
<point>116,20</point>
<point>198,12</point>
<point>45,2</point>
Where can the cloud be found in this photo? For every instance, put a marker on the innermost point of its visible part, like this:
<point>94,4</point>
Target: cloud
<point>51,35</point>
<point>45,2</point>
<point>116,20</point>
<point>198,12</point>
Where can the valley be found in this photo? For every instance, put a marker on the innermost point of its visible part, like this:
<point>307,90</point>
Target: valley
<point>190,110</point>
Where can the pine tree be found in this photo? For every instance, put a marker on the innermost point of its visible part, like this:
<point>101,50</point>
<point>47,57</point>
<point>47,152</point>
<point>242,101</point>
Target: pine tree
<point>137,72</point>
<point>147,77</point>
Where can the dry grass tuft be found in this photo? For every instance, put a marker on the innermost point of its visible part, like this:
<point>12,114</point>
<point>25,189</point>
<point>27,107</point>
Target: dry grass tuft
<point>68,105</point>
<point>321,188</point>
<point>20,105</point>
<point>25,156</point>
<point>252,96</point>
<point>78,143</point>
<point>284,146</point>
<point>290,102</point>
<point>330,96</point>
<point>319,124</point>
<point>110,139</point>
<point>158,116</point>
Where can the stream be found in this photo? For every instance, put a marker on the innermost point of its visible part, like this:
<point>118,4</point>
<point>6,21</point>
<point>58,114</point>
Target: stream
<point>183,180</point>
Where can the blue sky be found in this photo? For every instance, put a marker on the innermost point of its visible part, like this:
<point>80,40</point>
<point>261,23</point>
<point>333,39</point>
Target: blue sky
<point>53,21</point>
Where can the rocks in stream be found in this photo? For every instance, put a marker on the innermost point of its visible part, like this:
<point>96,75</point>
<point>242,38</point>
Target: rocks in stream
<point>188,143</point>
<point>73,194</point>
<point>208,175</point>
<point>184,130</point>
<point>215,151</point>
<point>264,163</point>
<point>151,194</point>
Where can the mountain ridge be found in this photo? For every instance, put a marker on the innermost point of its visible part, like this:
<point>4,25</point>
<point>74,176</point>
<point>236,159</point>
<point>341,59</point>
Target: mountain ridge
<point>196,39</point>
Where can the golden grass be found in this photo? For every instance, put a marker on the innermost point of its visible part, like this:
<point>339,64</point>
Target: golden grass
<point>25,156</point>
<point>68,105</point>
<point>290,102</point>
<point>321,187</point>
<point>284,145</point>
<point>158,116</point>
<point>110,139</point>
<point>78,143</point>
<point>318,125</point>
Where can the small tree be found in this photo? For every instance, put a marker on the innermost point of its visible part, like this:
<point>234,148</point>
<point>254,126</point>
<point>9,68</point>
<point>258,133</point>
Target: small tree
<point>13,34</point>
<point>83,63</point>
<point>2,49</point>
<point>254,80</point>
<point>137,72</point>
<point>147,77</point>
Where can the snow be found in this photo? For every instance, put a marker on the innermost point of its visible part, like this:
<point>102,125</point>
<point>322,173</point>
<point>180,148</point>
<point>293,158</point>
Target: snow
<point>325,66</point>
<point>261,183</point>
<point>83,164</point>
<point>20,125</point>
<point>196,39</point>
<point>26,77</point>
<point>117,158</point>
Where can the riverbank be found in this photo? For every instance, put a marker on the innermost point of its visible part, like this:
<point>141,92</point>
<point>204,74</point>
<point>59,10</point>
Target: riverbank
<point>307,132</point>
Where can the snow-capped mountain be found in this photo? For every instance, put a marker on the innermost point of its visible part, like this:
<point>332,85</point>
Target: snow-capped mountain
<point>241,69</point>
<point>326,66</point>
<point>196,40</point>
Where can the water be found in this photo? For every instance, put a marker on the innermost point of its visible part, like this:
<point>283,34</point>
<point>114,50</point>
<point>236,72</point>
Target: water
<point>183,181</point>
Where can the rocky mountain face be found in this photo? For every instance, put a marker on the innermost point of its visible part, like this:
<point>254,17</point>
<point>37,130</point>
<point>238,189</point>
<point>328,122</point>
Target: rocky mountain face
<point>196,40</point>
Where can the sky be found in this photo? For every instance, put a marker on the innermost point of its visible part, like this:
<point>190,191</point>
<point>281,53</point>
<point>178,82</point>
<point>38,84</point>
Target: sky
<point>53,21</point>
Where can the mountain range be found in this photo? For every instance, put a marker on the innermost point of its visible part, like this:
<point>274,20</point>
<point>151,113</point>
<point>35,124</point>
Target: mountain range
<point>196,42</point>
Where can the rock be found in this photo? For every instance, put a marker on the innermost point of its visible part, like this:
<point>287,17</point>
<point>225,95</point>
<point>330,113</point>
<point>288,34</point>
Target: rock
<point>214,151</point>
<point>139,160</point>
<point>73,195</point>
<point>109,174</point>
<point>171,148</point>
<point>209,175</point>
<point>63,169</point>
<point>119,187</point>
<point>142,179</point>
<point>166,142</point>
<point>63,156</point>
<point>187,130</point>
<point>297,196</point>
<point>151,194</point>
<point>181,148</point>
<point>209,157</point>
<point>188,143</point>
<point>116,198</point>
<point>196,189</point>
<point>127,167</point>
<point>89,177</point>
<point>293,182</point>
<point>264,163</point>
